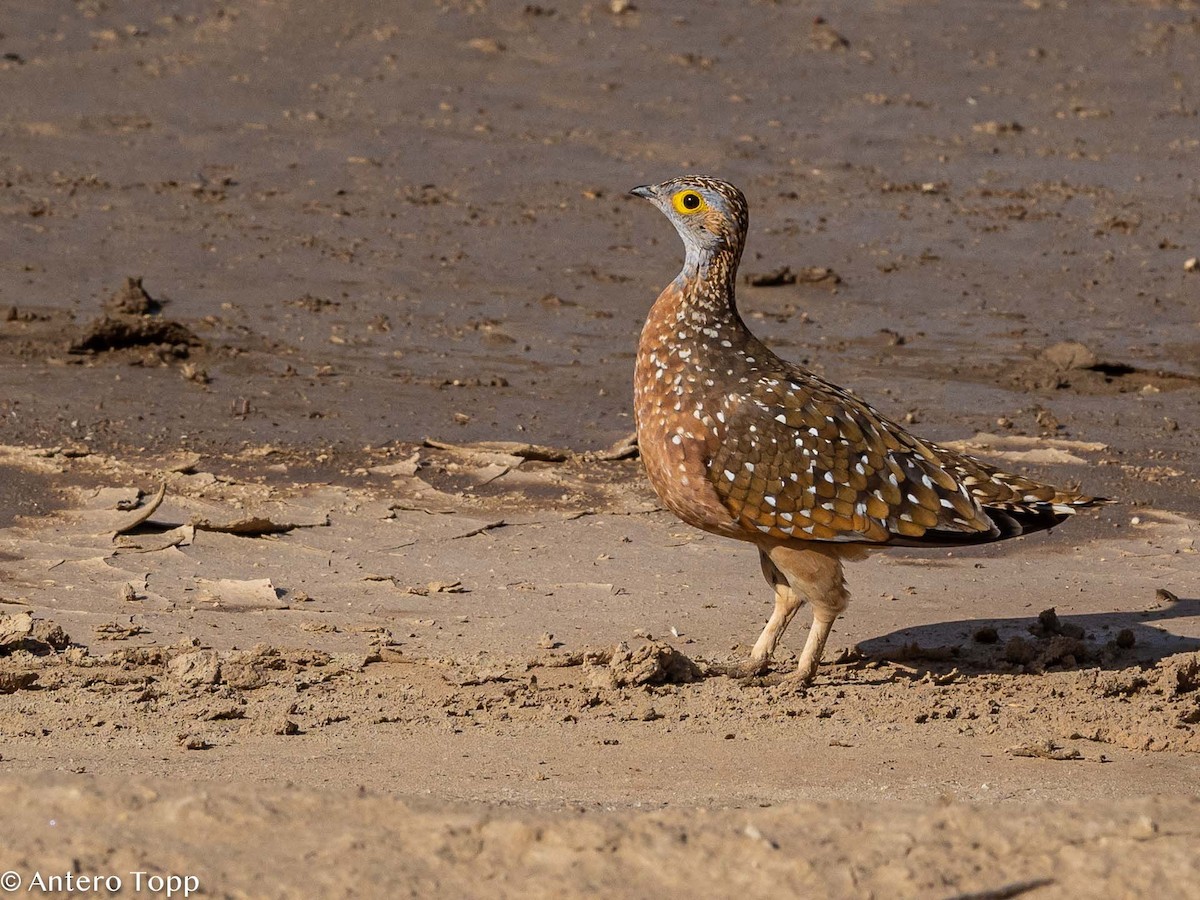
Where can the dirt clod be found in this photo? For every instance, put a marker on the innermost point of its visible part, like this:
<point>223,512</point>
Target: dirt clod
<point>1045,749</point>
<point>14,629</point>
<point>200,667</point>
<point>120,332</point>
<point>653,662</point>
<point>33,635</point>
<point>1047,623</point>
<point>131,299</point>
<point>11,682</point>
<point>194,742</point>
<point>1183,676</point>
<point>1019,651</point>
<point>776,278</point>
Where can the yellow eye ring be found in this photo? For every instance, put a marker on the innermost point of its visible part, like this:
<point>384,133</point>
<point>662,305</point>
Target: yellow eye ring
<point>687,202</point>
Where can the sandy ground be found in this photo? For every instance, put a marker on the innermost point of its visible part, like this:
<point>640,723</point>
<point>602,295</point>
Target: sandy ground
<point>519,695</point>
<point>352,650</point>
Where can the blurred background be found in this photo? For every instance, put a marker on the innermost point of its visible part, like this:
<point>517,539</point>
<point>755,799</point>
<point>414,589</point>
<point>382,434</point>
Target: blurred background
<point>364,223</point>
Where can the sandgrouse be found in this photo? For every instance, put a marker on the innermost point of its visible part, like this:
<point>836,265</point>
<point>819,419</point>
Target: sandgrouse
<point>741,443</point>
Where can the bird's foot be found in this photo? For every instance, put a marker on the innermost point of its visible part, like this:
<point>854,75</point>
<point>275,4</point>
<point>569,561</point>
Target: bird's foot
<point>746,668</point>
<point>785,682</point>
<point>802,675</point>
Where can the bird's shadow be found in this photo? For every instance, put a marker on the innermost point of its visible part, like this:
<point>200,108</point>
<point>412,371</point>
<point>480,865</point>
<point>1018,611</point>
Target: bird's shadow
<point>1114,641</point>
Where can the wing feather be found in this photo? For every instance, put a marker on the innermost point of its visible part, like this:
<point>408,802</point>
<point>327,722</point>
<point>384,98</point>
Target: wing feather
<point>798,457</point>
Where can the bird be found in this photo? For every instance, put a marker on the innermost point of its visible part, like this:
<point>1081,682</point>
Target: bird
<point>741,443</point>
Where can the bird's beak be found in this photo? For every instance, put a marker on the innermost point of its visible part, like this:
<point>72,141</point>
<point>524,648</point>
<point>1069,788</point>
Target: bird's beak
<point>645,191</point>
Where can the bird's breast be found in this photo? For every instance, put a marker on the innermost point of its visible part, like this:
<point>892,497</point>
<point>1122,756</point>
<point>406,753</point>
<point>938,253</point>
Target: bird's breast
<point>676,407</point>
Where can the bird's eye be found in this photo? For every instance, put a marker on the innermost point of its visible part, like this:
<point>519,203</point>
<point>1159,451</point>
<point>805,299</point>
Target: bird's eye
<point>686,202</point>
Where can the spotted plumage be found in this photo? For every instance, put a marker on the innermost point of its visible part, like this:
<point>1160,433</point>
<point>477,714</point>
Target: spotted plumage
<point>740,442</point>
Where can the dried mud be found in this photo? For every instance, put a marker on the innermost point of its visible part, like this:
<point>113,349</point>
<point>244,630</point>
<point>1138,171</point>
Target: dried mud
<point>366,639</point>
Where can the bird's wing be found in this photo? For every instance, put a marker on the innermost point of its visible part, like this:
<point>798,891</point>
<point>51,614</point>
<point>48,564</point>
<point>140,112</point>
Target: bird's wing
<point>798,457</point>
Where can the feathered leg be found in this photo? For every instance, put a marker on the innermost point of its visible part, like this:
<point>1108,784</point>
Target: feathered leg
<point>787,602</point>
<point>813,573</point>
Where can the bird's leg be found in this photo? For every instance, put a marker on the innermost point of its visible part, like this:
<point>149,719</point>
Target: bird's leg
<point>787,601</point>
<point>817,573</point>
<point>814,647</point>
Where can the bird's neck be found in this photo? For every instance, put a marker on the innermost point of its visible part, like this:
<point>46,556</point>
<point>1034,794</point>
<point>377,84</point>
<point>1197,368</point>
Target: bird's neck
<point>707,281</point>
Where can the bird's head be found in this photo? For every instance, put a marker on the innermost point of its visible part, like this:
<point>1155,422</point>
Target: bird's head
<point>710,215</point>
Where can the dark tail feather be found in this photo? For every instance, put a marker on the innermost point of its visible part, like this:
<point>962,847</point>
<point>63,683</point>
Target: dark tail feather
<point>1016,522</point>
<point>1010,522</point>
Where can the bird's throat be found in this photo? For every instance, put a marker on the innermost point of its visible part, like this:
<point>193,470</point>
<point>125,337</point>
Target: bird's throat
<point>706,284</point>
